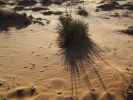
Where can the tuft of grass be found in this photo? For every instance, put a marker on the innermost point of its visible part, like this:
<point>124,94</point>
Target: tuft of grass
<point>72,32</point>
<point>129,30</point>
<point>82,12</point>
<point>79,52</point>
<point>77,49</point>
<point>75,44</point>
<point>46,2</point>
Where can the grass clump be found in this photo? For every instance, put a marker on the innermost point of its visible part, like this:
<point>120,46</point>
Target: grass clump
<point>77,49</point>
<point>75,44</point>
<point>82,12</point>
<point>72,32</point>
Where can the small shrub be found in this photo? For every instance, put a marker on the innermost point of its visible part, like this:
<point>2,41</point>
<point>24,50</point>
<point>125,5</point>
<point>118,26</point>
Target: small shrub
<point>46,2</point>
<point>27,2</point>
<point>128,31</point>
<point>75,44</point>
<point>72,32</point>
<point>77,49</point>
<point>82,12</point>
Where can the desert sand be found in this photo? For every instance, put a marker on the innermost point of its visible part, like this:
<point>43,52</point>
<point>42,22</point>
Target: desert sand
<point>31,67</point>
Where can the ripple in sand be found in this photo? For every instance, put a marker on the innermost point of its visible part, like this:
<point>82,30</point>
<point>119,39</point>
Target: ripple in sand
<point>22,92</point>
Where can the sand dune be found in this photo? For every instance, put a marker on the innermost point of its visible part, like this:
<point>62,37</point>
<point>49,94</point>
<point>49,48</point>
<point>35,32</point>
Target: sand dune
<point>31,67</point>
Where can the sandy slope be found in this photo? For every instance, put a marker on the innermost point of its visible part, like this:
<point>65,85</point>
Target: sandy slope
<point>29,57</point>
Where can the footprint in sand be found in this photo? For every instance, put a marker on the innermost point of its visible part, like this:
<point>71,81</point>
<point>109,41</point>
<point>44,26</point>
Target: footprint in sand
<point>43,97</point>
<point>91,95</point>
<point>110,96</point>
<point>3,85</point>
<point>57,83</point>
<point>3,98</point>
<point>22,92</point>
<point>66,98</point>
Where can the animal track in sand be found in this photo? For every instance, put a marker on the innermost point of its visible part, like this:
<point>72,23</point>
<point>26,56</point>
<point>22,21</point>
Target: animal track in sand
<point>3,85</point>
<point>110,96</point>
<point>2,97</point>
<point>22,92</point>
<point>43,97</point>
<point>89,96</point>
<point>66,98</point>
<point>57,83</point>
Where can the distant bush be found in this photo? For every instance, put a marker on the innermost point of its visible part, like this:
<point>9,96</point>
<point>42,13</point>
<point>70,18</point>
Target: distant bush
<point>46,2</point>
<point>128,31</point>
<point>74,42</point>
<point>27,2</point>
<point>10,19</point>
<point>77,48</point>
<point>82,12</point>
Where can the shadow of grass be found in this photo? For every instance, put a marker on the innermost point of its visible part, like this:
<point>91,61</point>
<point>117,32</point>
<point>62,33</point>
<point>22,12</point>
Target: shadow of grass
<point>79,53</point>
<point>77,49</point>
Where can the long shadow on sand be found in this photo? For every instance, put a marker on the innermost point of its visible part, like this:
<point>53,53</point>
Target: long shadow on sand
<point>79,53</point>
<point>77,50</point>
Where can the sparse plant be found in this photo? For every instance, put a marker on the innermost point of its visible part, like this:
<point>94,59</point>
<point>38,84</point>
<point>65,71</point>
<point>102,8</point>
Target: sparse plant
<point>72,30</point>
<point>82,12</point>
<point>46,2</point>
<point>73,39</point>
<point>76,47</point>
